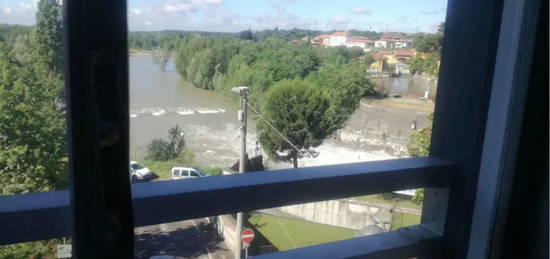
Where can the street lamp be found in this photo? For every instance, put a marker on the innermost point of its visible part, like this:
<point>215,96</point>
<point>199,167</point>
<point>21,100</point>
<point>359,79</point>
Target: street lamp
<point>240,90</point>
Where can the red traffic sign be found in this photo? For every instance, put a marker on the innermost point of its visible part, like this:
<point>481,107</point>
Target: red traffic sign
<point>247,235</point>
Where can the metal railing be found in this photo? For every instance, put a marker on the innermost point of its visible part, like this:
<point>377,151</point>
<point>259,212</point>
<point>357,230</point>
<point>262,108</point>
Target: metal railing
<point>38,216</point>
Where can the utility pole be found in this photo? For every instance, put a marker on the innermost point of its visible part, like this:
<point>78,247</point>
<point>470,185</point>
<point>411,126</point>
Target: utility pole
<point>243,91</point>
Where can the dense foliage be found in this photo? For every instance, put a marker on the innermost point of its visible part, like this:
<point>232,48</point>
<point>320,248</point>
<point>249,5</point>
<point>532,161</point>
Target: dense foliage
<point>429,53</point>
<point>419,146</point>
<point>301,113</point>
<point>162,150</point>
<point>33,155</point>
<point>274,67</point>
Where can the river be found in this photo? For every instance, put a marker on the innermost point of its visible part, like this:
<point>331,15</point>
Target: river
<point>409,86</point>
<point>160,100</point>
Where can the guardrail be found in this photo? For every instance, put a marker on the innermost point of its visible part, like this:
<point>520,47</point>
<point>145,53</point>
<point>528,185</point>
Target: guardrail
<point>38,216</point>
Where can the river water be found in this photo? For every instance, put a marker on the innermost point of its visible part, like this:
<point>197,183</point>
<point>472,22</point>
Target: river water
<point>160,100</point>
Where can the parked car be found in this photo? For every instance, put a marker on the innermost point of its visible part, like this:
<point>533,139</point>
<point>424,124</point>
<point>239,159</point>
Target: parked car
<point>182,172</point>
<point>139,172</point>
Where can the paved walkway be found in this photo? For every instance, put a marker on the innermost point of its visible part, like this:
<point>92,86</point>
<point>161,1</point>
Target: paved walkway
<point>184,239</point>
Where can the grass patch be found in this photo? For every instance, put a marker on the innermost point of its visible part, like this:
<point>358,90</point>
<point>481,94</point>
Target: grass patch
<point>399,202</point>
<point>288,234</point>
<point>164,168</point>
<point>401,219</point>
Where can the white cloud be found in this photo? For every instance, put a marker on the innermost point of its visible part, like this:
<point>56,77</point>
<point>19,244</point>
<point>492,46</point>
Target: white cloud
<point>184,6</point>
<point>282,19</point>
<point>30,5</point>
<point>148,23</point>
<point>25,6</point>
<point>5,9</point>
<point>135,11</point>
<point>360,10</point>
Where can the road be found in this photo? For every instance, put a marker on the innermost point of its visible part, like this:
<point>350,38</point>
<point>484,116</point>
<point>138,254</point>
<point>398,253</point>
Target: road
<point>185,239</point>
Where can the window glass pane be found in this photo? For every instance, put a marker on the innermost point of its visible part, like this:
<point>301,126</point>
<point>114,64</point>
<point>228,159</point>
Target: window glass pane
<point>327,82</point>
<point>33,128</point>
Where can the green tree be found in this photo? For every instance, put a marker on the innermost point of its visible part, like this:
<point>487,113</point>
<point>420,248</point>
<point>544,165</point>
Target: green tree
<point>33,155</point>
<point>157,150</point>
<point>32,129</point>
<point>419,146</point>
<point>190,47</point>
<point>301,112</point>
<point>163,54</point>
<point>48,35</point>
<point>202,68</point>
<point>162,150</point>
<point>427,63</point>
<point>428,42</point>
<point>419,143</point>
<point>346,83</point>
<point>247,35</point>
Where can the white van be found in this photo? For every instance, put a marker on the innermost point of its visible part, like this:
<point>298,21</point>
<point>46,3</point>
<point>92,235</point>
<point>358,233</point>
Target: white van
<point>181,172</point>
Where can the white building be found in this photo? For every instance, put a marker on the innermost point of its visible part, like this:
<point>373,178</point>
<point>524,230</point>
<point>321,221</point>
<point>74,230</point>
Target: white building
<point>400,44</point>
<point>338,39</point>
<point>360,42</point>
<point>380,44</point>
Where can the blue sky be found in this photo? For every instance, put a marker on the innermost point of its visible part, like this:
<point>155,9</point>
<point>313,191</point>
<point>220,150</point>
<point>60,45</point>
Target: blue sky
<point>237,15</point>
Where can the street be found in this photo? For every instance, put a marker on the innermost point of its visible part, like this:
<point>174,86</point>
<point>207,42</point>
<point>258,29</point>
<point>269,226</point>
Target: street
<point>185,239</point>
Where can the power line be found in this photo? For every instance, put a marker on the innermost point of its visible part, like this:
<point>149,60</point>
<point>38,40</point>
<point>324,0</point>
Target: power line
<point>273,127</point>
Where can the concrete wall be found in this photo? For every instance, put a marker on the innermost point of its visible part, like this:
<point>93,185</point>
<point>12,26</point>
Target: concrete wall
<point>346,213</point>
<point>226,225</point>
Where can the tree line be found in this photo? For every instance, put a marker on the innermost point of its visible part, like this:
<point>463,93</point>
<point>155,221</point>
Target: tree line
<point>149,40</point>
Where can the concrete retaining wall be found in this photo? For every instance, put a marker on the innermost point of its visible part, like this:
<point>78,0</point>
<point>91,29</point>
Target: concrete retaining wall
<point>346,213</point>
<point>226,225</point>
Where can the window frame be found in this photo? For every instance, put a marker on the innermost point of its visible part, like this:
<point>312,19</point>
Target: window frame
<point>97,66</point>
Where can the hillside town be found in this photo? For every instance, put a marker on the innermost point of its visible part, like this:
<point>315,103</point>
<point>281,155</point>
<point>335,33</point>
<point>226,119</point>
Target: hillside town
<point>342,38</point>
<point>389,49</point>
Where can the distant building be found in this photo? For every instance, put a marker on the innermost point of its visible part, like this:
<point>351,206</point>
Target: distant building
<point>360,42</point>
<point>342,38</point>
<point>394,56</point>
<point>338,39</point>
<point>400,45</point>
<point>321,40</point>
<point>403,54</point>
<point>382,44</point>
<point>393,40</point>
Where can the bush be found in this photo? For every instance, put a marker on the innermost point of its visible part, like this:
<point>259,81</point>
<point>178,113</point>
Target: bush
<point>162,150</point>
<point>157,150</point>
<point>186,156</point>
<point>212,170</point>
<point>39,249</point>
<point>418,198</point>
